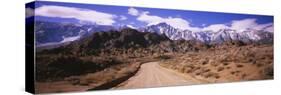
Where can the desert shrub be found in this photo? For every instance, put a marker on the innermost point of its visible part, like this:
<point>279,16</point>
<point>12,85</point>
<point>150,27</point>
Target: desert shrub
<point>197,73</point>
<point>232,72</point>
<point>239,65</point>
<point>189,66</point>
<point>244,75</point>
<point>225,63</point>
<point>181,69</point>
<point>64,66</point>
<point>217,76</point>
<point>214,64</point>
<point>259,64</point>
<point>204,62</point>
<point>206,70</point>
<point>188,70</point>
<point>228,67</point>
<point>269,72</point>
<point>164,57</point>
<point>209,74</point>
<point>220,69</point>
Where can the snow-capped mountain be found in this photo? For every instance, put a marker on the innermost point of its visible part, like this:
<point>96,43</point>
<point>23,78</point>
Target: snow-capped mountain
<point>56,34</point>
<point>53,33</point>
<point>177,34</point>
<point>249,35</point>
<point>119,28</point>
<point>130,26</point>
<point>246,36</point>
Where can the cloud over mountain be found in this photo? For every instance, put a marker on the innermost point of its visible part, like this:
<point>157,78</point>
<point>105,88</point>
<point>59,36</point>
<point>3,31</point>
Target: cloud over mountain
<point>241,25</point>
<point>153,19</point>
<point>81,14</point>
<point>133,11</point>
<point>215,27</point>
<point>123,17</point>
<point>142,18</point>
<point>249,24</point>
<point>183,24</point>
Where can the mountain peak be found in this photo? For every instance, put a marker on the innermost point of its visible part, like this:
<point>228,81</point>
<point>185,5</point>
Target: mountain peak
<point>54,32</point>
<point>163,24</point>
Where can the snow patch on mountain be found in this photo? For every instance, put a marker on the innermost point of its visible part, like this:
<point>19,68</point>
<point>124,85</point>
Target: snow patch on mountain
<point>207,35</point>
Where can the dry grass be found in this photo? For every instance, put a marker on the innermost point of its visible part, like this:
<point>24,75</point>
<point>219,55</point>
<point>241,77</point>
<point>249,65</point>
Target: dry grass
<point>87,81</point>
<point>249,62</point>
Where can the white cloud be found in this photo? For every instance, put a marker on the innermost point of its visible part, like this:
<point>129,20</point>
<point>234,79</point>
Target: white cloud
<point>133,11</point>
<point>263,26</point>
<point>123,17</point>
<point>131,26</point>
<point>174,22</point>
<point>239,25</point>
<point>183,24</point>
<point>150,19</point>
<point>29,12</point>
<point>204,25</point>
<point>215,27</point>
<point>101,18</point>
<point>76,13</point>
<point>250,23</point>
<point>269,29</point>
<point>132,23</point>
<point>243,24</point>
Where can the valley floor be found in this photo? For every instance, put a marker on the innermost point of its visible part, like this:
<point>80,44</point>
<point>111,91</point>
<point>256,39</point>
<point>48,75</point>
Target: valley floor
<point>224,64</point>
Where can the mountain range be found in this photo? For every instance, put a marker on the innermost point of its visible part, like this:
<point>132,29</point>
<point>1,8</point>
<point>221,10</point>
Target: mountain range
<point>210,37</point>
<point>53,34</point>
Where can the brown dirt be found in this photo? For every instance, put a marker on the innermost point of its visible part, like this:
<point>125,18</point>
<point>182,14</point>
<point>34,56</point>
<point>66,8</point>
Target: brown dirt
<point>226,64</point>
<point>87,81</point>
<point>151,74</point>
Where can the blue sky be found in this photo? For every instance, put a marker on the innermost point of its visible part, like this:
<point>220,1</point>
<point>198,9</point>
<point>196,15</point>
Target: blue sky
<point>140,17</point>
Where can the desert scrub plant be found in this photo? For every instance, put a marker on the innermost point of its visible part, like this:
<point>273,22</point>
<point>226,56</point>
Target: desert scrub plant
<point>163,57</point>
<point>225,63</point>
<point>64,66</point>
<point>268,72</point>
<point>239,65</point>
<point>220,69</point>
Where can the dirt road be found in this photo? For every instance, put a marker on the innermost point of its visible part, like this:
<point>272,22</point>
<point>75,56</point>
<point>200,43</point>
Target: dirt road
<point>153,75</point>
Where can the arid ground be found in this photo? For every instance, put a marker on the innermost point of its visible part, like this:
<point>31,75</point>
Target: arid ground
<point>132,59</point>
